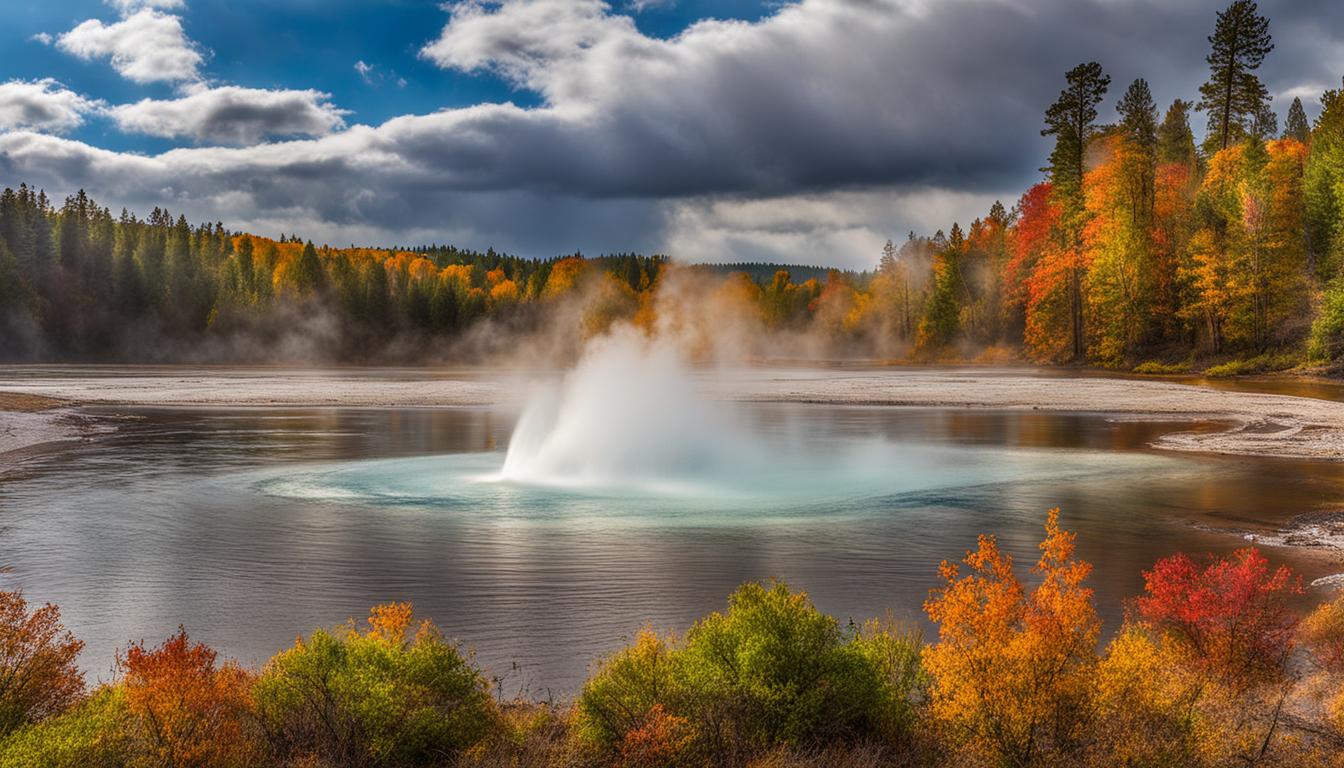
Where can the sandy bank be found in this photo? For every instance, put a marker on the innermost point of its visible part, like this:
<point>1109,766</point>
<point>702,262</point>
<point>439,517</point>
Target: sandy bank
<point>1261,424</point>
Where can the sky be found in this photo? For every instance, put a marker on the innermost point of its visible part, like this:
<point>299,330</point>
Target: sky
<point>729,130</point>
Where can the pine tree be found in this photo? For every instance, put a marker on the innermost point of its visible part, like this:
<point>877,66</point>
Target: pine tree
<point>308,277</point>
<point>1233,95</point>
<point>1138,116</point>
<point>1175,140</point>
<point>1072,121</point>
<point>1297,126</point>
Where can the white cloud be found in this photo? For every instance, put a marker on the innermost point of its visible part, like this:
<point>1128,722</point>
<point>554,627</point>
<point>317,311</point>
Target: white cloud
<point>364,70</point>
<point>127,7</point>
<point>232,115</point>
<point>42,37</point>
<point>42,105</point>
<point>842,228</point>
<point>146,46</point>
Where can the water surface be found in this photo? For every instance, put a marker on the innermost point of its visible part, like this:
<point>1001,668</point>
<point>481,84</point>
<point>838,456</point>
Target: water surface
<point>249,526</point>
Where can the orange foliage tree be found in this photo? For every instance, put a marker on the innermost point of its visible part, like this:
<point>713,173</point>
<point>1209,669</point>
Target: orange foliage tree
<point>190,711</point>
<point>1012,671</point>
<point>38,676</point>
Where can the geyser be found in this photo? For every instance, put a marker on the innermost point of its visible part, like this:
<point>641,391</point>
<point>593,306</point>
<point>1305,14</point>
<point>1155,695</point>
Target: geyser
<point>631,414</point>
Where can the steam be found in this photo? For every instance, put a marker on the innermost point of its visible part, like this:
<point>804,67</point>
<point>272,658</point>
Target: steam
<point>630,414</point>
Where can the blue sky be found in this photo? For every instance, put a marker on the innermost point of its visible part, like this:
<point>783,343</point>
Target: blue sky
<point>806,131</point>
<point>303,44</point>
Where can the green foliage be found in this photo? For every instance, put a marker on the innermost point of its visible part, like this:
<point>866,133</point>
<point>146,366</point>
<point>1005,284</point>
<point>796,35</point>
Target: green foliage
<point>1327,333</point>
<point>93,734</point>
<point>1175,139</point>
<point>1159,368</point>
<point>772,671</point>
<point>1266,363</point>
<point>375,698</point>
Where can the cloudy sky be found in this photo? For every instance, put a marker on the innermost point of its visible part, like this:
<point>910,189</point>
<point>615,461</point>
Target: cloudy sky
<point>716,130</point>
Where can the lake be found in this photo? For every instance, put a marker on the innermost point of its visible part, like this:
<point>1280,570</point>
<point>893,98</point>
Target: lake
<point>251,525</point>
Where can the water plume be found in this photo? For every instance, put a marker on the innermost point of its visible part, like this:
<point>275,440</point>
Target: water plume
<point>630,413</point>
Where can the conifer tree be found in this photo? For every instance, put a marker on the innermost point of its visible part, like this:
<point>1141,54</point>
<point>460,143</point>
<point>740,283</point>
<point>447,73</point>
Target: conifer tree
<point>1233,95</point>
<point>1297,126</point>
<point>1072,121</point>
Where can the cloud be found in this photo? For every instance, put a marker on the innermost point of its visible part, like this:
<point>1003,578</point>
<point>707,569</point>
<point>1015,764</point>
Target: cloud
<point>810,134</point>
<point>640,6</point>
<point>127,7</point>
<point>846,229</point>
<point>232,115</point>
<point>146,46</point>
<point>42,105</point>
<point>42,37</point>
<point>364,70</point>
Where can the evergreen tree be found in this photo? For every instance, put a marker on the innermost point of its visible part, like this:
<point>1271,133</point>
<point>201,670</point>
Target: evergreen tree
<point>1297,126</point>
<point>308,277</point>
<point>1138,116</point>
<point>1072,121</point>
<point>1233,95</point>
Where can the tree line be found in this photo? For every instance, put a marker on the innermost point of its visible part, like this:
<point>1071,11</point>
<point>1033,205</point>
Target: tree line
<point>1213,666</point>
<point>1141,249</point>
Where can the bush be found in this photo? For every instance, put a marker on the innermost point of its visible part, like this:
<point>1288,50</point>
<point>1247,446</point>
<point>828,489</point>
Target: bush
<point>1266,363</point>
<point>627,687</point>
<point>774,671</point>
<point>38,676</point>
<point>1326,343</point>
<point>1158,368</point>
<point>377,697</point>
<point>771,672</point>
<point>185,709</point>
<point>94,734</point>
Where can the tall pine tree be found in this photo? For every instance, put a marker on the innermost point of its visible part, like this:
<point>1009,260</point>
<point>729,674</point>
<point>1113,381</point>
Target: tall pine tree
<point>1233,96</point>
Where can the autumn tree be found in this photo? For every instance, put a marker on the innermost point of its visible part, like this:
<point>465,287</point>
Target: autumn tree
<point>1232,617</point>
<point>38,673</point>
<point>1012,671</point>
<point>189,711</point>
<point>1117,244</point>
<point>1233,96</point>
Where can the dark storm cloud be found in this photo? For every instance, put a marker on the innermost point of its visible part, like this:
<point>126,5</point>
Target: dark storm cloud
<point>926,104</point>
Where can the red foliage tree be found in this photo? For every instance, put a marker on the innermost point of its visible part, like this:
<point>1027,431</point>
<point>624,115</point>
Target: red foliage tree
<point>1232,615</point>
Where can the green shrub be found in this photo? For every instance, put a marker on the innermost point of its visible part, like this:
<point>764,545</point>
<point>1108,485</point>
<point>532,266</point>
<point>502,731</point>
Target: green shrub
<point>627,687</point>
<point>1265,363</point>
<point>894,653</point>
<point>93,734</point>
<point>775,670</point>
<point>373,698</point>
<point>1159,368</point>
<point>1326,343</point>
<point>772,671</point>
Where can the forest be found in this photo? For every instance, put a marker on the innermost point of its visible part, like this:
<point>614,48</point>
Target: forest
<point>1141,249</point>
<point>1213,666</point>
